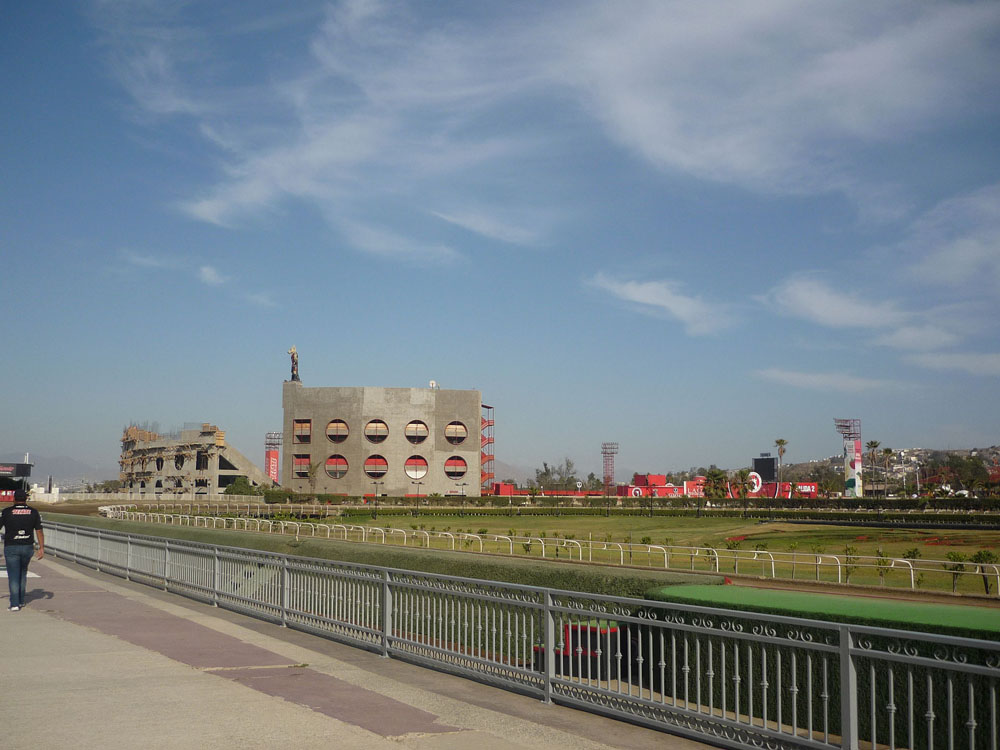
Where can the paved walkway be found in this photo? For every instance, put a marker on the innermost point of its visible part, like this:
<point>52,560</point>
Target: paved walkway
<point>97,662</point>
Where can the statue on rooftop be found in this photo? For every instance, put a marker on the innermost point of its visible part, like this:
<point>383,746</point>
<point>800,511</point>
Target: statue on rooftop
<point>295,362</point>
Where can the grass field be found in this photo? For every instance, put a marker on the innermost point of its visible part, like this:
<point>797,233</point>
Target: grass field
<point>732,533</point>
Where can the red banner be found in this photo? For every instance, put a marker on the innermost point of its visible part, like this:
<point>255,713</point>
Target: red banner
<point>271,462</point>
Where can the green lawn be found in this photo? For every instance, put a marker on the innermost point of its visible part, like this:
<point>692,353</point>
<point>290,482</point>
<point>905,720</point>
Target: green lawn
<point>954,619</point>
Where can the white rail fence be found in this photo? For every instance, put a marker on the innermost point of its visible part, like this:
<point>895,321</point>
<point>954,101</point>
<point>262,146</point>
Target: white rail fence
<point>737,679</point>
<point>920,573</point>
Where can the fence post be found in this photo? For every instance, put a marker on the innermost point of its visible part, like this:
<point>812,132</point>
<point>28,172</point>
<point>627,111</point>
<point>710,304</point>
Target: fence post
<point>848,692</point>
<point>284,592</point>
<point>215,577</point>
<point>549,645</point>
<point>166,565</point>
<point>97,562</point>
<point>128,558</point>
<point>386,613</point>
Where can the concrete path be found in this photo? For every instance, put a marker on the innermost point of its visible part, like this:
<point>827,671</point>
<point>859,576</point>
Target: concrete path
<point>97,662</point>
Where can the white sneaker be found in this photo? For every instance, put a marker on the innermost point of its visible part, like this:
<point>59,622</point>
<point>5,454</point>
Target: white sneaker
<point>13,609</point>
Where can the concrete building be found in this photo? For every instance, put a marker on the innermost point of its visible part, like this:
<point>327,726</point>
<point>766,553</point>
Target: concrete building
<point>193,461</point>
<point>396,441</point>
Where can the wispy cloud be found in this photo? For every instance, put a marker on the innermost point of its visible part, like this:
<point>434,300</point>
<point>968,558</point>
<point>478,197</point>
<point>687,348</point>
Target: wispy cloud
<point>972,363</point>
<point>957,243</point>
<point>704,89</point>
<point>920,337</point>
<point>385,106</point>
<point>825,381</point>
<point>665,298</point>
<point>490,227</point>
<point>261,299</point>
<point>210,276</point>
<point>144,260</point>
<point>810,299</point>
<point>389,244</point>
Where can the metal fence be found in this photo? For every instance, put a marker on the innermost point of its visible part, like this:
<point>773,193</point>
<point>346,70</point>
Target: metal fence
<point>735,679</point>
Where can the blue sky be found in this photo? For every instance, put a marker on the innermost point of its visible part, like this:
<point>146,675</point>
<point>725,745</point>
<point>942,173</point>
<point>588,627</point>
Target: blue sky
<point>689,227</point>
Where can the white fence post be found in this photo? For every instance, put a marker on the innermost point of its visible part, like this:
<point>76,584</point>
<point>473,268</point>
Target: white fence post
<point>386,613</point>
<point>549,645</point>
<point>848,692</point>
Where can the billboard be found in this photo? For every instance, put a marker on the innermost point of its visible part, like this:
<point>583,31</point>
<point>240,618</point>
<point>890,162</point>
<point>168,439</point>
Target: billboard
<point>271,464</point>
<point>852,469</point>
<point>767,468</point>
<point>15,470</point>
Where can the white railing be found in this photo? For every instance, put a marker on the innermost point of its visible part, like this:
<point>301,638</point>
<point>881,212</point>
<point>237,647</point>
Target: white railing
<point>736,679</point>
<point>914,574</point>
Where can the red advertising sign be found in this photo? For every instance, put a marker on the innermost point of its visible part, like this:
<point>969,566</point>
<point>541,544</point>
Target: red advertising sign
<point>271,462</point>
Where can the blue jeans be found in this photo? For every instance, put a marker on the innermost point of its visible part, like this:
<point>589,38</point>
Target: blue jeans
<point>17,557</point>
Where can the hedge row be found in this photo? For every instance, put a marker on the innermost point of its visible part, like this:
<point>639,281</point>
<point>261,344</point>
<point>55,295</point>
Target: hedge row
<point>595,579</point>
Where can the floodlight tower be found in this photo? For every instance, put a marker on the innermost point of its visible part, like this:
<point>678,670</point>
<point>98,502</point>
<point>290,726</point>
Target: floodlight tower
<point>850,429</point>
<point>609,450</point>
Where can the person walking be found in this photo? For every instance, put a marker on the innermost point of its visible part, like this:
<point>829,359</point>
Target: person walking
<point>20,524</point>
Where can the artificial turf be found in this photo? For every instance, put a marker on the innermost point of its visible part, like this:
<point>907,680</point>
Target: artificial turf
<point>949,619</point>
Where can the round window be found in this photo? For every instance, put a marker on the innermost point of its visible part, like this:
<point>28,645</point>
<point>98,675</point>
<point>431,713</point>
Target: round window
<point>455,467</point>
<point>376,431</point>
<point>416,467</point>
<point>336,467</point>
<point>456,433</point>
<point>376,466</point>
<point>416,432</point>
<point>337,431</point>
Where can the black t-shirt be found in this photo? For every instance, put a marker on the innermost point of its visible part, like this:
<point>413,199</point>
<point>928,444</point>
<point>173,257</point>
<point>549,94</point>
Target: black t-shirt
<point>19,522</point>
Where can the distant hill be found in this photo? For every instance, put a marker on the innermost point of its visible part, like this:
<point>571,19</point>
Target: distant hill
<point>65,471</point>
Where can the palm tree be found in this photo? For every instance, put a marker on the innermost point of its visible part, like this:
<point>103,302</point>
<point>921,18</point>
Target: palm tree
<point>887,454</point>
<point>715,485</point>
<point>740,485</point>
<point>872,446</point>
<point>780,444</point>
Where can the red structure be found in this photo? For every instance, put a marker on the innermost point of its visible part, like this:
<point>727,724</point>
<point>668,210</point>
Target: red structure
<point>656,485</point>
<point>272,444</point>
<point>487,457</point>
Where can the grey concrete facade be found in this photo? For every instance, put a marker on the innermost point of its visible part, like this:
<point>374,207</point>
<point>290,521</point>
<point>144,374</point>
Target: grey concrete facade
<point>326,448</point>
<point>194,462</point>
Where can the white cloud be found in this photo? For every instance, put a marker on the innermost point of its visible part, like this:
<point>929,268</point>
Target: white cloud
<point>389,244</point>
<point>957,243</point>
<point>824,381</point>
<point>147,261</point>
<point>764,94</point>
<point>490,227</point>
<point>772,95</point>
<point>209,275</point>
<point>813,300</point>
<point>261,299</point>
<point>663,297</point>
<point>924,337</point>
<point>974,364</point>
